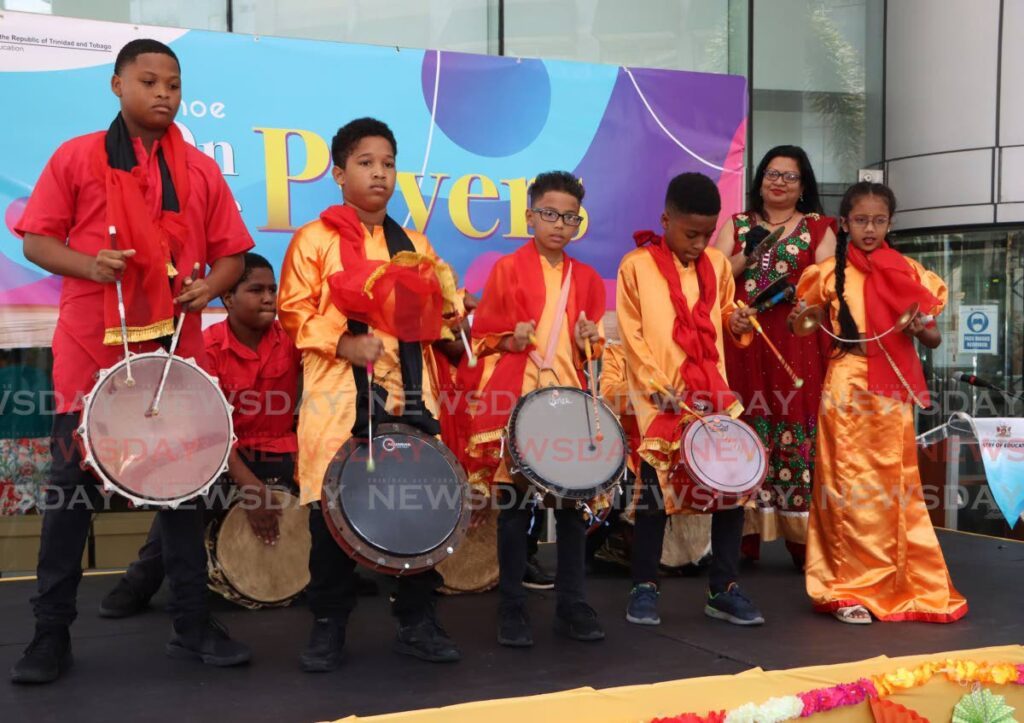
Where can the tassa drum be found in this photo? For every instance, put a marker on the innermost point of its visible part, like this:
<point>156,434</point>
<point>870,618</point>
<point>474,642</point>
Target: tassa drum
<point>474,566</point>
<point>722,462</point>
<point>159,459</point>
<point>407,515</point>
<point>245,570</point>
<point>554,444</point>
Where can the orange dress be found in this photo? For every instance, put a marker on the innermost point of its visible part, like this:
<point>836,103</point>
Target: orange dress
<point>315,324</point>
<point>870,541</point>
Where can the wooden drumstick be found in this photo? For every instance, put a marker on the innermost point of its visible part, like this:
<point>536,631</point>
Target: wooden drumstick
<point>154,408</point>
<point>469,350</point>
<point>370,466</point>
<point>593,388</point>
<point>797,381</point>
<point>663,390</point>
<point>129,381</point>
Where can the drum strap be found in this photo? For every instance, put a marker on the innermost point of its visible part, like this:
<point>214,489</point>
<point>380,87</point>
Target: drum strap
<point>410,357</point>
<point>551,343</point>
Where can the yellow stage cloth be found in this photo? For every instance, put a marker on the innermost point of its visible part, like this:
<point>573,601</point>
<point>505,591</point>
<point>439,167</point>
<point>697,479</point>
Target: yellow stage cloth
<point>638,703</point>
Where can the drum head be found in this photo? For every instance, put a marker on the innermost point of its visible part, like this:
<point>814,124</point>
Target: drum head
<point>266,573</point>
<point>724,454</point>
<point>170,457</point>
<point>553,443</point>
<point>474,566</point>
<point>413,500</point>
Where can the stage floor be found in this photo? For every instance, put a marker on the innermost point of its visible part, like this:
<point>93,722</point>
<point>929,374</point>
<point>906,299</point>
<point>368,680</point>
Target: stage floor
<point>121,673</point>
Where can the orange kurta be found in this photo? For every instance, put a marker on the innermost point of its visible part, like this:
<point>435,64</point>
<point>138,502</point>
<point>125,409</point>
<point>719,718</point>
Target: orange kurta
<point>870,541</point>
<point>645,316</point>
<point>315,323</point>
<point>567,361</point>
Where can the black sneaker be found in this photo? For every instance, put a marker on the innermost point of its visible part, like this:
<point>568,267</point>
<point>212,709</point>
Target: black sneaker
<point>643,605</point>
<point>579,622</point>
<point>326,645</point>
<point>123,601</point>
<point>206,640</point>
<point>426,640</point>
<point>733,606</point>
<point>514,626</point>
<point>46,657</point>
<point>536,577</point>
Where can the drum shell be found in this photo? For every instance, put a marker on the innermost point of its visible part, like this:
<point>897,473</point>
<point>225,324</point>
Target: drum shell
<point>220,580</point>
<point>554,495</point>
<point>212,399</point>
<point>694,494</point>
<point>362,551</point>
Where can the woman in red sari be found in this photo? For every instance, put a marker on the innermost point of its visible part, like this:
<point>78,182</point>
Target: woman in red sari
<point>783,195</point>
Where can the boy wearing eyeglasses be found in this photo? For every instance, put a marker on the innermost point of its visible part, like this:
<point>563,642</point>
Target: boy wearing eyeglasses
<point>539,310</point>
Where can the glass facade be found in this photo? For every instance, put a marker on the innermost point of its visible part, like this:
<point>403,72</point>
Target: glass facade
<point>983,268</point>
<point>817,83</point>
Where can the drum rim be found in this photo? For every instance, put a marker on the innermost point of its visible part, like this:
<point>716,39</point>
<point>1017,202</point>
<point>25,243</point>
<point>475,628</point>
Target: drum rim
<point>365,552</point>
<point>553,488</point>
<point>697,477</point>
<point>111,485</point>
<point>216,570</point>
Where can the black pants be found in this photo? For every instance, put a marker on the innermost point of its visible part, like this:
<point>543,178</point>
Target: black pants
<point>513,522</point>
<point>332,585</point>
<point>535,528</point>
<point>146,573</point>
<point>71,498</point>
<point>649,535</point>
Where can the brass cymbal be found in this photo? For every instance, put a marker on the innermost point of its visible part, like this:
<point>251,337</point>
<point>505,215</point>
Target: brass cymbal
<point>906,317</point>
<point>808,321</point>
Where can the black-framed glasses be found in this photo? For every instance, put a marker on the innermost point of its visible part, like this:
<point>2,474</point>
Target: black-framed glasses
<point>789,177</point>
<point>551,216</point>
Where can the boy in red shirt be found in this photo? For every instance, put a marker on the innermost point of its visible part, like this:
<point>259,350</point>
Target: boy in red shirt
<point>172,210</point>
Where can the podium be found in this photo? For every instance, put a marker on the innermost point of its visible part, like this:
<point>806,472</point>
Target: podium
<point>955,483</point>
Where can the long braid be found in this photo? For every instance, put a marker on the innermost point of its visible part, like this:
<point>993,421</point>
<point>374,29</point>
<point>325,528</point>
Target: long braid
<point>847,326</point>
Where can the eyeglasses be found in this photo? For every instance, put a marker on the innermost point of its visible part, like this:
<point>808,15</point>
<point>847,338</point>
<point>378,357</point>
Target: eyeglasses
<point>865,221</point>
<point>551,216</point>
<point>789,177</point>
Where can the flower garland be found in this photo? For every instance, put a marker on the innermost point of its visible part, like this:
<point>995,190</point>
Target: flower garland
<point>791,707</point>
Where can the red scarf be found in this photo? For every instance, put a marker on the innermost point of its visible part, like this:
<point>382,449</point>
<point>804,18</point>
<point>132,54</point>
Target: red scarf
<point>159,243</point>
<point>890,286</point>
<point>693,329</point>
<point>401,297</point>
<point>505,303</point>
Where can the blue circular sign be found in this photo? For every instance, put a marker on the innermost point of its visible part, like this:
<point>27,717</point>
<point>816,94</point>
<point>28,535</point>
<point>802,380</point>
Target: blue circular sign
<point>977,322</point>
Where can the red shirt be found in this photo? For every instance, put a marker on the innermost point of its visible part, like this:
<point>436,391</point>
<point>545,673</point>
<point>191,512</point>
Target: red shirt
<point>69,202</point>
<point>261,385</point>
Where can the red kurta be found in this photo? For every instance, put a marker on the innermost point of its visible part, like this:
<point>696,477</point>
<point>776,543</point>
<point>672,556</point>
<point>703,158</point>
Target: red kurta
<point>69,203</point>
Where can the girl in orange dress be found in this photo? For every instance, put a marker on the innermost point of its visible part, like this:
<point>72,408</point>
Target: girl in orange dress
<point>871,547</point>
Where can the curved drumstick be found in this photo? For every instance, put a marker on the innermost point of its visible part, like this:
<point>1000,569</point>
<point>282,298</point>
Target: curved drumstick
<point>469,350</point>
<point>593,391</point>
<point>370,466</point>
<point>129,381</point>
<point>797,381</point>
<point>154,408</point>
<point>663,390</point>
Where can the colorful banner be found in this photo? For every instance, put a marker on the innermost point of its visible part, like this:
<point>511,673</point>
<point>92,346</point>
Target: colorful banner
<point>1001,443</point>
<point>472,131</point>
